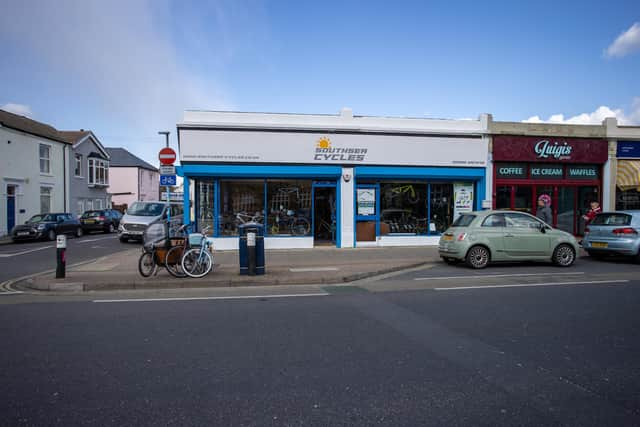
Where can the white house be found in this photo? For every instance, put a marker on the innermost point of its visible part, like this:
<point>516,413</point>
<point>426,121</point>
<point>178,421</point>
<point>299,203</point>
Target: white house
<point>33,167</point>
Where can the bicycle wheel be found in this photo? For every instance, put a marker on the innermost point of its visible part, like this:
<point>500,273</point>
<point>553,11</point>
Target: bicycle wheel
<point>300,227</point>
<point>147,264</point>
<point>173,261</point>
<point>196,262</point>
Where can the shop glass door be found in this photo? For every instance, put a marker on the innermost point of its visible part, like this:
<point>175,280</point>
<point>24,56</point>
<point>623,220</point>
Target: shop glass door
<point>523,199</point>
<point>566,211</point>
<point>367,212</point>
<point>586,195</point>
<point>503,197</point>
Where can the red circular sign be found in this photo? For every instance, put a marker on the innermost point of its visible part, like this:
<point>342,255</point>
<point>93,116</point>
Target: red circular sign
<point>167,156</point>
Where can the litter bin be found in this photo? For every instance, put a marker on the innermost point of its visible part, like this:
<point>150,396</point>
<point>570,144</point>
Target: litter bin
<point>251,243</point>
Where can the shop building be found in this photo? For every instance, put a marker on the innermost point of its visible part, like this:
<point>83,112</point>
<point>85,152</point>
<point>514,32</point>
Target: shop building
<point>626,140</point>
<point>569,163</point>
<point>341,180</point>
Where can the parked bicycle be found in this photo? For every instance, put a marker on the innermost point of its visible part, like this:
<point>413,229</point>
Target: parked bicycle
<point>159,251</point>
<point>287,220</point>
<point>198,260</point>
<point>173,259</point>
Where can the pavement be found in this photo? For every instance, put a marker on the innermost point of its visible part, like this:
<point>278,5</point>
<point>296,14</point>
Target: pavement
<point>323,265</point>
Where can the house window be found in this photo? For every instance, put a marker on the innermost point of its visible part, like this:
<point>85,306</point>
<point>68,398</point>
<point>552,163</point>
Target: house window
<point>45,199</point>
<point>78,168</point>
<point>98,172</point>
<point>80,207</point>
<point>89,205</point>
<point>45,159</point>
<point>98,204</point>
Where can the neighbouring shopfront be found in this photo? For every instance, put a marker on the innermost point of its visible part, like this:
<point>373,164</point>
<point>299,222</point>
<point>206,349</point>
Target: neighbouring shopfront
<point>338,184</point>
<point>628,175</point>
<point>568,170</point>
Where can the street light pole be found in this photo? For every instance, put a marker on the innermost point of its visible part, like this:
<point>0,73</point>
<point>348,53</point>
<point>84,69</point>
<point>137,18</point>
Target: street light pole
<point>166,135</point>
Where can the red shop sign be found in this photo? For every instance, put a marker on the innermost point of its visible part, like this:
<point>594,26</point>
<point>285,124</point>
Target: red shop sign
<point>549,149</point>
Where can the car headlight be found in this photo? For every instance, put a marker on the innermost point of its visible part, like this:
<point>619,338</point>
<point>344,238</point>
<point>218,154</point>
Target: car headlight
<point>41,227</point>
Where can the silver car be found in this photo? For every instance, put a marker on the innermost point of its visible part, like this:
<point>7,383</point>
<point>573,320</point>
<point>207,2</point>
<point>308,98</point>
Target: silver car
<point>613,233</point>
<point>141,214</point>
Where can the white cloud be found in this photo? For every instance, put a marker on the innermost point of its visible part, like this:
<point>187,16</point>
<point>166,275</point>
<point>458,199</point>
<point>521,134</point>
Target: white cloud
<point>19,109</point>
<point>626,43</point>
<point>596,117</point>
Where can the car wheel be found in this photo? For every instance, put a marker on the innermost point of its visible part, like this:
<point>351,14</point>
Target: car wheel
<point>51,235</point>
<point>123,240</point>
<point>79,232</point>
<point>478,257</point>
<point>564,255</point>
<point>111,229</point>
<point>451,261</point>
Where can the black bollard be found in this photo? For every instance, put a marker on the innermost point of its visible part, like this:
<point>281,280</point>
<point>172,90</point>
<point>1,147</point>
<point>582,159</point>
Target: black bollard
<point>61,260</point>
<point>251,248</point>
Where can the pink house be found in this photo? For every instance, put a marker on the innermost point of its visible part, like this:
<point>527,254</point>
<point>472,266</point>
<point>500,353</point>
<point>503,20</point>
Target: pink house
<point>132,179</point>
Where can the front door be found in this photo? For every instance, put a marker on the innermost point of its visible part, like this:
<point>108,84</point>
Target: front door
<point>523,238</point>
<point>324,215</point>
<point>11,207</point>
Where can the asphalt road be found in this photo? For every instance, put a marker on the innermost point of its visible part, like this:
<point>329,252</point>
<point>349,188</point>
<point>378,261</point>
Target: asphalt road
<point>555,355</point>
<point>24,258</point>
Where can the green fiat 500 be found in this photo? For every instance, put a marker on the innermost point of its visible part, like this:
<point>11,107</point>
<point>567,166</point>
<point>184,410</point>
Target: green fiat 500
<point>479,238</point>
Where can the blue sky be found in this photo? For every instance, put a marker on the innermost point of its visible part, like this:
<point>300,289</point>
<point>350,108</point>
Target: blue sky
<point>128,69</point>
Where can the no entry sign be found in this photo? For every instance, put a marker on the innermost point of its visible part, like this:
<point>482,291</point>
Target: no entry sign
<point>167,156</point>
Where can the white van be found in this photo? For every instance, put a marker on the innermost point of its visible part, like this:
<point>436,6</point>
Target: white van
<point>140,214</point>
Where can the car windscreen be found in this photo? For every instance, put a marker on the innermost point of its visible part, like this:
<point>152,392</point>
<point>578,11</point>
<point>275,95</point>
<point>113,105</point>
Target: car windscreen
<point>35,218</point>
<point>463,220</point>
<point>612,219</point>
<point>92,214</point>
<point>146,209</point>
<point>50,218</point>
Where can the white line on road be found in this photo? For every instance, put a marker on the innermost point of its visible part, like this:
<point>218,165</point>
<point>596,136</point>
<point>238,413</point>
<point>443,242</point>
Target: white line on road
<point>525,285</point>
<point>24,252</point>
<point>94,240</point>
<point>481,276</point>
<point>10,293</point>
<point>319,294</point>
<point>307,269</point>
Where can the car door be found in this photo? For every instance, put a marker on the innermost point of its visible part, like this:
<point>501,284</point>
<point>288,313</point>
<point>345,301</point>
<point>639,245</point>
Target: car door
<point>524,238</point>
<point>492,232</point>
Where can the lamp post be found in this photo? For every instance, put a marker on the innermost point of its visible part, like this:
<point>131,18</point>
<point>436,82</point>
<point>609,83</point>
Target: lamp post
<point>166,135</point>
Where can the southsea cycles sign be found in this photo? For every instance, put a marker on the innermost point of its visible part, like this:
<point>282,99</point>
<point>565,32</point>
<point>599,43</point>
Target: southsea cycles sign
<point>539,149</point>
<point>257,146</point>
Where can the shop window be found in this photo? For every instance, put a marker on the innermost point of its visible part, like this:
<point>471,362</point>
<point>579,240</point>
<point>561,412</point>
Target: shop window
<point>205,197</point>
<point>240,201</point>
<point>289,207</point>
<point>627,200</point>
<point>441,204</point>
<point>403,208</point>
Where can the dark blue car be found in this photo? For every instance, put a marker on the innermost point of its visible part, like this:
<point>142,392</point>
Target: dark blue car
<point>47,226</point>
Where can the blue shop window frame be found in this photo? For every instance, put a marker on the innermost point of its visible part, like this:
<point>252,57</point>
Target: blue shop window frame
<point>426,175</point>
<point>321,176</point>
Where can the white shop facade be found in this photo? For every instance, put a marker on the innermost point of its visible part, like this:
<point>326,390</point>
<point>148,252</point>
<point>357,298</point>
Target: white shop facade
<point>340,180</point>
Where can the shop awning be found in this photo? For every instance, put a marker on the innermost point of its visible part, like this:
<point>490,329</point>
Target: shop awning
<point>628,177</point>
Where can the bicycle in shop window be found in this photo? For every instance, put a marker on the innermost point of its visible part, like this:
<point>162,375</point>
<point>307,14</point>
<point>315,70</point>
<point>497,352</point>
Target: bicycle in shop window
<point>407,192</point>
<point>288,221</point>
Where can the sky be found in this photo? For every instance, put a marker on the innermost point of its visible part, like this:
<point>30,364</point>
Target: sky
<point>128,69</point>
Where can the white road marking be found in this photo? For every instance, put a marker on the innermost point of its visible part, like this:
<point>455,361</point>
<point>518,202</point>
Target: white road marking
<point>319,294</point>
<point>24,252</point>
<point>481,276</point>
<point>95,240</point>
<point>525,285</point>
<point>307,269</point>
<point>10,293</point>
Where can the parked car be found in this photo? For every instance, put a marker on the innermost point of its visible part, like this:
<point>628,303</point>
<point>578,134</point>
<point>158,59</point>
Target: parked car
<point>613,233</point>
<point>140,214</point>
<point>47,226</point>
<point>478,238</point>
<point>105,220</point>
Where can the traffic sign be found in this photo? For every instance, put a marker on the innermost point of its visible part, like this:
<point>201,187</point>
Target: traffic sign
<point>168,180</point>
<point>167,170</point>
<point>167,156</point>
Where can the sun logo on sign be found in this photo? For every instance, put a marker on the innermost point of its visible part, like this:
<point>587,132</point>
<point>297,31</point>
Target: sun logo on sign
<point>323,143</point>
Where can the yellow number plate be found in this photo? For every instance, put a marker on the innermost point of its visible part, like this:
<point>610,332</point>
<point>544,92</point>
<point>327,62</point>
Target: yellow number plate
<point>447,238</point>
<point>599,244</point>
